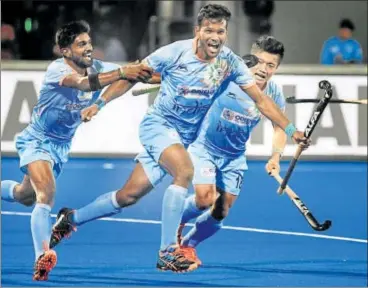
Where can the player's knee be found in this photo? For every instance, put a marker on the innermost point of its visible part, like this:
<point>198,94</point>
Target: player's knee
<point>205,199</point>
<point>184,175</point>
<point>45,191</point>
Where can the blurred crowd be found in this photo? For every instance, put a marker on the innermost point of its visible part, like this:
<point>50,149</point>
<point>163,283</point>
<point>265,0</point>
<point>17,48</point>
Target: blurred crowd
<point>28,27</point>
<point>119,27</point>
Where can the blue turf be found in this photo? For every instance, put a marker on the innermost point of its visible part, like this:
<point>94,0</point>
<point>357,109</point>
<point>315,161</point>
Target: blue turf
<point>124,254</point>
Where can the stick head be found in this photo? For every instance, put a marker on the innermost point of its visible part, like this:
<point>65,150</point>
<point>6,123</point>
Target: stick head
<point>324,84</point>
<point>324,226</point>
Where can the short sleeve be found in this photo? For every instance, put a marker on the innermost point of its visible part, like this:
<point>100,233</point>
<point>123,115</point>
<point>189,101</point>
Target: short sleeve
<point>240,73</point>
<point>163,57</point>
<point>56,72</point>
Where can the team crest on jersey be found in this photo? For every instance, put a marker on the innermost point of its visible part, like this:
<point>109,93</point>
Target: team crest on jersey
<point>216,73</point>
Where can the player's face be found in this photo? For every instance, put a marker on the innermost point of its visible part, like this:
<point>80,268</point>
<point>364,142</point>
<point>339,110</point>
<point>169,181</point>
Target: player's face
<point>81,50</point>
<point>266,67</point>
<point>212,35</point>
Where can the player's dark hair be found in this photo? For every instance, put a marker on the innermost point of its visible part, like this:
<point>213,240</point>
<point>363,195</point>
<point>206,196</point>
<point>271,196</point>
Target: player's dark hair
<point>66,34</point>
<point>213,12</point>
<point>270,45</point>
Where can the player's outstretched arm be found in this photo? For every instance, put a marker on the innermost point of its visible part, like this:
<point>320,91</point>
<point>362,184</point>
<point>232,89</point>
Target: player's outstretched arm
<point>115,90</point>
<point>94,82</point>
<point>268,108</point>
<point>279,139</point>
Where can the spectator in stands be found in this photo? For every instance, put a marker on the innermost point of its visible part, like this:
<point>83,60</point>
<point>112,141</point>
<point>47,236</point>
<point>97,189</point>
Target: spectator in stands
<point>342,49</point>
<point>8,42</point>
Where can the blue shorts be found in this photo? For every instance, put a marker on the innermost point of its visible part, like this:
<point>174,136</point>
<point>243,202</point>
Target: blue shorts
<point>154,172</point>
<point>32,147</point>
<point>225,173</point>
<point>156,134</point>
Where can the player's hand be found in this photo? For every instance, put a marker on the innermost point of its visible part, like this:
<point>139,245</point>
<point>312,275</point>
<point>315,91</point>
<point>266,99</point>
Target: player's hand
<point>89,112</point>
<point>299,138</point>
<point>273,166</point>
<point>137,72</point>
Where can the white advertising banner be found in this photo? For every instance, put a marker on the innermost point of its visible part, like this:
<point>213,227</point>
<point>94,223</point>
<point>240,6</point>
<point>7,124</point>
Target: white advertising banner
<point>342,130</point>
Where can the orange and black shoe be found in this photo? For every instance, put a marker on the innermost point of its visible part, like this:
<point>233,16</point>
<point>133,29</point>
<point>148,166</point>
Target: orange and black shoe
<point>191,254</point>
<point>63,227</point>
<point>44,264</point>
<point>173,259</point>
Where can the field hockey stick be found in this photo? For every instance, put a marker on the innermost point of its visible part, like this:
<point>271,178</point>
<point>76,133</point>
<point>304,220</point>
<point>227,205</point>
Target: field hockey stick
<point>293,100</point>
<point>302,208</point>
<point>249,59</point>
<point>317,113</point>
<point>138,92</point>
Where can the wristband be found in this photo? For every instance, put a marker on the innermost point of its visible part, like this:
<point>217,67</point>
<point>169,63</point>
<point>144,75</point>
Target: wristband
<point>121,73</point>
<point>100,103</point>
<point>290,130</point>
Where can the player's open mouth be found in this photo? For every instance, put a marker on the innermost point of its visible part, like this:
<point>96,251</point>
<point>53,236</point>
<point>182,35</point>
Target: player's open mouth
<point>213,47</point>
<point>88,56</point>
<point>260,77</point>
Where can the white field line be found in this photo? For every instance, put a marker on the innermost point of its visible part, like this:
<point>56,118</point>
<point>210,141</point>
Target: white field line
<point>142,221</point>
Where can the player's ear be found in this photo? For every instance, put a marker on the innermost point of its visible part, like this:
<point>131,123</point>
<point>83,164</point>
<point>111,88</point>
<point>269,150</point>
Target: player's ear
<point>196,30</point>
<point>65,52</point>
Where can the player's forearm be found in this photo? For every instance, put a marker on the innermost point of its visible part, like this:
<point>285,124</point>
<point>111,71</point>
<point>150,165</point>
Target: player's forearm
<point>268,108</point>
<point>116,90</point>
<point>278,143</point>
<point>93,82</point>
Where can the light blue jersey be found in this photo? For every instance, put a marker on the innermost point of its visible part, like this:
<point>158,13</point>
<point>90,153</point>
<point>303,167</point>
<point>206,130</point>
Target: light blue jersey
<point>57,112</point>
<point>189,85</point>
<point>349,50</point>
<point>55,117</point>
<point>231,119</point>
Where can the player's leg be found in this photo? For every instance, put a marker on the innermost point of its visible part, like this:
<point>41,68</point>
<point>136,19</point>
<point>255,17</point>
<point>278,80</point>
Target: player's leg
<point>43,183</point>
<point>163,143</point>
<point>146,174</point>
<point>229,181</point>
<point>204,182</point>
<point>39,159</point>
<point>23,193</point>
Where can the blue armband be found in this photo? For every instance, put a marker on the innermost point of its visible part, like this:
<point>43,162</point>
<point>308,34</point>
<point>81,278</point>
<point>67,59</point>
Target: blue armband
<point>290,130</point>
<point>100,103</point>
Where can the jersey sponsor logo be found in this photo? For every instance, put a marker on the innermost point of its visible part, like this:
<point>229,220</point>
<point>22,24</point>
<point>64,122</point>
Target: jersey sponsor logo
<point>195,92</point>
<point>235,117</point>
<point>85,95</point>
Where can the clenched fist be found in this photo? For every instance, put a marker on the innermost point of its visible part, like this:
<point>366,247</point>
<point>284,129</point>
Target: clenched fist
<point>89,112</point>
<point>136,72</point>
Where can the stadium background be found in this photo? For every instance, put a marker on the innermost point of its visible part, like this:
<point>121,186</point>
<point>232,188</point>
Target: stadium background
<point>332,180</point>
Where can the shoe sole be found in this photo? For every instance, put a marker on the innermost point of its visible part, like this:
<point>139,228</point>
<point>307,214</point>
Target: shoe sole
<point>47,263</point>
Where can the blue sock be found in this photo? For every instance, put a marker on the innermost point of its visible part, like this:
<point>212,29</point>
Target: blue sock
<point>103,206</point>
<point>172,209</point>
<point>7,188</point>
<point>204,228</point>
<point>190,210</point>
<point>41,227</point>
